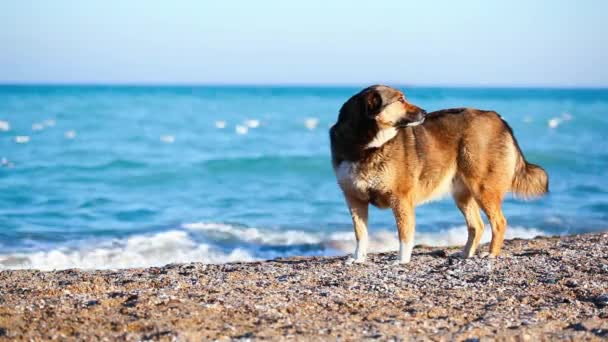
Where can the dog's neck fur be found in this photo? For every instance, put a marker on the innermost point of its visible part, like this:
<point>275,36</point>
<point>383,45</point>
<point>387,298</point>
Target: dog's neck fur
<point>355,142</point>
<point>382,137</point>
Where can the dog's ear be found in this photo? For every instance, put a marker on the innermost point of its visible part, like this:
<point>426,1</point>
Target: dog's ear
<point>372,103</point>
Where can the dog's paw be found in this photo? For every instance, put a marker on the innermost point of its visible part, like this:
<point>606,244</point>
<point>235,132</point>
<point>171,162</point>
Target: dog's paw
<point>351,260</point>
<point>399,262</point>
<point>486,255</point>
<point>463,255</point>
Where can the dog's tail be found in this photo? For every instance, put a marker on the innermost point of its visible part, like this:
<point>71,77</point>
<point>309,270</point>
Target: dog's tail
<point>530,180</point>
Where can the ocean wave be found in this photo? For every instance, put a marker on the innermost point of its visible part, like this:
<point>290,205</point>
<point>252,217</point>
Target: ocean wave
<point>256,235</point>
<point>380,240</point>
<point>109,165</point>
<point>179,246</point>
<point>386,240</point>
<point>137,251</point>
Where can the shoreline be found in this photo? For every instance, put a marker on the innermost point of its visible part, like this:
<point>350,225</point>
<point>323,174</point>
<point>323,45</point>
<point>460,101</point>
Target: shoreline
<point>190,243</point>
<point>546,287</point>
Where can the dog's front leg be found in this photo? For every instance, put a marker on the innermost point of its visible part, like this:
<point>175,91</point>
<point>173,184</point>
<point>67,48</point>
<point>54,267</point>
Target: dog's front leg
<point>358,211</point>
<point>403,209</point>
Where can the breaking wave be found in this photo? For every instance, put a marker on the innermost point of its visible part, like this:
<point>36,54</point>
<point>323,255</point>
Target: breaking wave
<point>210,242</point>
<point>137,251</point>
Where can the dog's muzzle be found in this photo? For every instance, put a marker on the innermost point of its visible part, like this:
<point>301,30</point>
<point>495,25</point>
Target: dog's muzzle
<point>408,122</point>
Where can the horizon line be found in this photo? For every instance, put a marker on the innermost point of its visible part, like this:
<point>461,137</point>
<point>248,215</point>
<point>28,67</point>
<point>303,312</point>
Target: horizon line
<point>297,85</point>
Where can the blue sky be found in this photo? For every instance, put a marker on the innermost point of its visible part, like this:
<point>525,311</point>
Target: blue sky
<point>469,42</point>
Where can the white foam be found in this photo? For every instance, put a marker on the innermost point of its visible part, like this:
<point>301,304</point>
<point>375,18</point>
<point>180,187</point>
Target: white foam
<point>380,241</point>
<point>5,126</point>
<point>253,123</point>
<point>70,134</point>
<point>554,122</point>
<point>168,139</point>
<point>22,139</point>
<point>220,124</point>
<point>4,162</point>
<point>137,251</point>
<point>257,236</point>
<point>37,127</point>
<point>49,122</point>
<point>311,123</point>
<point>177,246</point>
<point>240,129</point>
<point>385,240</point>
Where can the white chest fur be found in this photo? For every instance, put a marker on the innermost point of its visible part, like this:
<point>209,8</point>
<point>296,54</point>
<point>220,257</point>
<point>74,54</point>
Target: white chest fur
<point>353,181</point>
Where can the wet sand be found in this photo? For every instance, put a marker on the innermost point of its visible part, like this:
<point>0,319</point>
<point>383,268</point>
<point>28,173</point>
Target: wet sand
<point>549,288</point>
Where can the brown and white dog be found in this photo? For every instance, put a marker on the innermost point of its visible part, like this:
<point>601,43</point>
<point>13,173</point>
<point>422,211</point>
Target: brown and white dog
<point>392,154</point>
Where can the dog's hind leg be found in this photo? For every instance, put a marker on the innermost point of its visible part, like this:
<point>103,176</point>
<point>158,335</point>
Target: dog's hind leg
<point>491,204</point>
<point>406,225</point>
<point>358,212</point>
<point>469,208</point>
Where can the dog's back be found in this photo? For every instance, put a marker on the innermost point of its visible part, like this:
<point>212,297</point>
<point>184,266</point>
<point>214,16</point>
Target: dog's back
<point>486,150</point>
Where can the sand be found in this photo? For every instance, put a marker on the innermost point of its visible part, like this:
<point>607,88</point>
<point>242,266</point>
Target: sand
<point>545,288</point>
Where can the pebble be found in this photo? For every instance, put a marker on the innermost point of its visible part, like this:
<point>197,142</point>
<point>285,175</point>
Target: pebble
<point>91,303</point>
<point>601,300</point>
<point>571,283</point>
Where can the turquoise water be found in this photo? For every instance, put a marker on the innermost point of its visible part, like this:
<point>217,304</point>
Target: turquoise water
<point>111,176</point>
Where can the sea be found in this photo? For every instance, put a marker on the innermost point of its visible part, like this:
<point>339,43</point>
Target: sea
<point>103,177</point>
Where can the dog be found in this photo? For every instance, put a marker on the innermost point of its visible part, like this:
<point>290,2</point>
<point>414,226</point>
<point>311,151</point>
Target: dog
<point>392,154</point>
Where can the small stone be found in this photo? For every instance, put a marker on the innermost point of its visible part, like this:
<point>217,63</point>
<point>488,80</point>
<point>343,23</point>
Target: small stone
<point>91,303</point>
<point>157,335</point>
<point>116,294</point>
<point>131,301</point>
<point>246,335</point>
<point>442,253</point>
<point>571,283</point>
<point>550,280</point>
<point>577,327</point>
<point>601,300</point>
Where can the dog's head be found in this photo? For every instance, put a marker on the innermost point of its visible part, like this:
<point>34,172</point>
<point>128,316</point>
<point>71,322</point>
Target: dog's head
<point>369,119</point>
<point>382,105</point>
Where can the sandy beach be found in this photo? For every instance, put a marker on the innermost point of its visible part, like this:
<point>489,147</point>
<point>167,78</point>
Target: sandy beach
<point>550,288</point>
